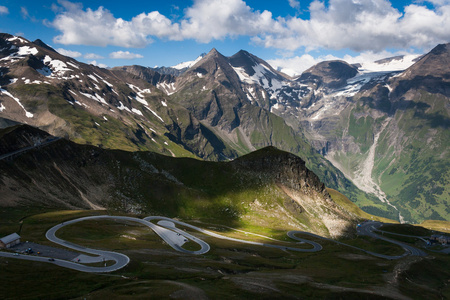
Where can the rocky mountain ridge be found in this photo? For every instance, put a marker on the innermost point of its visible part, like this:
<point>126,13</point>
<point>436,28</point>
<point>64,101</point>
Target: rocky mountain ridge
<point>266,182</point>
<point>224,107</point>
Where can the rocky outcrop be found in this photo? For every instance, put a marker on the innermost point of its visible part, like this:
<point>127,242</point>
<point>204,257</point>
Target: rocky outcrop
<point>19,137</point>
<point>331,74</point>
<point>283,168</point>
<point>147,74</point>
<point>306,196</point>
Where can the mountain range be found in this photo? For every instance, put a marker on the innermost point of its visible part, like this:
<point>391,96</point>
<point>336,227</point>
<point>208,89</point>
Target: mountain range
<point>379,137</point>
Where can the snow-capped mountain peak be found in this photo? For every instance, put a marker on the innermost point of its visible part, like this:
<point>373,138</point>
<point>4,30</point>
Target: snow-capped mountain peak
<point>188,64</point>
<point>391,64</point>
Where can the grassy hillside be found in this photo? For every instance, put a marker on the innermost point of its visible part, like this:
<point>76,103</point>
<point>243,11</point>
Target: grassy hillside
<point>411,160</point>
<point>415,174</point>
<point>65,174</point>
<point>348,205</point>
<point>230,269</point>
<point>436,225</point>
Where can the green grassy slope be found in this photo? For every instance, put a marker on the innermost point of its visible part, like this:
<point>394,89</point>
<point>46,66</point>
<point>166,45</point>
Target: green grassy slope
<point>64,174</point>
<point>348,205</point>
<point>412,162</point>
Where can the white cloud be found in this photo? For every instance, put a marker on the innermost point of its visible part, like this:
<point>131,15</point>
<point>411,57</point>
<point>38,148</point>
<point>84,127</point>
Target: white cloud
<point>124,55</point>
<point>97,28</point>
<point>294,4</point>
<point>68,52</point>
<point>210,20</point>
<point>4,10</point>
<point>24,12</point>
<point>437,2</point>
<point>93,62</point>
<point>26,15</point>
<point>360,25</point>
<point>92,56</point>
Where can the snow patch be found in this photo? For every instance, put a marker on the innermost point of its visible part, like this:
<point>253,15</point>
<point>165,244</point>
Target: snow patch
<point>123,107</point>
<point>26,50</point>
<point>2,91</point>
<point>95,97</point>
<point>155,114</point>
<point>92,77</point>
<point>390,65</point>
<point>16,38</point>
<point>277,106</point>
<point>137,111</point>
<point>28,81</point>
<point>107,83</point>
<point>188,64</point>
<point>140,93</point>
<point>57,66</point>
<point>73,65</point>
<point>169,89</point>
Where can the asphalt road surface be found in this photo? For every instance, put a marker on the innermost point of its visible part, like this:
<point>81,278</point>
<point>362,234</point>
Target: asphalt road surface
<point>176,238</point>
<point>368,228</point>
<point>316,247</point>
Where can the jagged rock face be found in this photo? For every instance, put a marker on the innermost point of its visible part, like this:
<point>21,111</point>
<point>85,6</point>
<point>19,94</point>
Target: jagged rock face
<point>146,74</point>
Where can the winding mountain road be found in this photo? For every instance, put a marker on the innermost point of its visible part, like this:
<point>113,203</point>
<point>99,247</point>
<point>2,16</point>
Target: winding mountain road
<point>176,238</point>
<point>367,229</point>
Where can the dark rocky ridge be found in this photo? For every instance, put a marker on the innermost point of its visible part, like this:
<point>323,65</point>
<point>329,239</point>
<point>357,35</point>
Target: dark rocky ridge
<point>147,74</point>
<point>331,74</point>
<point>430,73</point>
<point>282,167</point>
<point>20,136</point>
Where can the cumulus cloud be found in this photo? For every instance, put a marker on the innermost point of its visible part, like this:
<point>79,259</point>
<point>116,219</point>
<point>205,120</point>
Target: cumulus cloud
<point>124,55</point>
<point>98,28</point>
<point>361,26</point>
<point>335,24</point>
<point>26,15</point>
<point>210,20</point>
<point>93,56</point>
<point>294,4</point>
<point>70,53</point>
<point>4,10</point>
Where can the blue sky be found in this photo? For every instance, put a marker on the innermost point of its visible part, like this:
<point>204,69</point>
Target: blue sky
<point>296,33</point>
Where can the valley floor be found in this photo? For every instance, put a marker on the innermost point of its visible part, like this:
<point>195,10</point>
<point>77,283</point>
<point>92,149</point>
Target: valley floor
<point>229,269</point>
